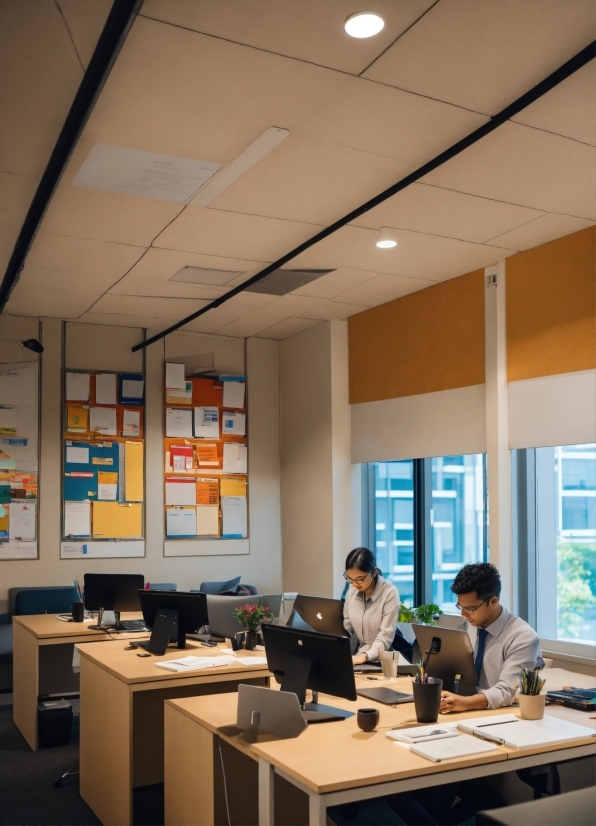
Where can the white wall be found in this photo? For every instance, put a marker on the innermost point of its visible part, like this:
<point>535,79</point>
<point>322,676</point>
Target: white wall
<point>315,450</point>
<point>97,347</point>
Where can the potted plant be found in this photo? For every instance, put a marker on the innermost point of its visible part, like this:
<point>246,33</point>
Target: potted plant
<point>251,616</point>
<point>423,614</point>
<point>531,701</point>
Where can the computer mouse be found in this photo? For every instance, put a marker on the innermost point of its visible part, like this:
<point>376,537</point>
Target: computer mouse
<point>142,654</point>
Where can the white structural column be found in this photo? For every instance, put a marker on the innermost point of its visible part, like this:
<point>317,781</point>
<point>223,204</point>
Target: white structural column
<point>341,468</point>
<point>497,429</point>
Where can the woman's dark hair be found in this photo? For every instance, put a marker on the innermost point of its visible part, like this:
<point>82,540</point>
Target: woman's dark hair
<point>363,559</point>
<point>482,577</point>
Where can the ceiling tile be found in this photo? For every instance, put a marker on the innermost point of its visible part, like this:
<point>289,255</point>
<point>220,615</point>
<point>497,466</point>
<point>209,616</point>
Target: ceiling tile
<point>304,29</point>
<point>156,325</point>
<point>416,256</point>
<point>36,301</point>
<point>311,181</point>
<point>541,231</point>
<point>40,76</point>
<point>172,309</point>
<point>233,235</point>
<point>16,192</point>
<point>81,282</point>
<point>232,310</point>
<point>287,306</point>
<point>335,283</point>
<point>104,216</point>
<point>152,274</point>
<point>85,22</point>
<point>335,310</point>
<point>437,211</point>
<point>483,56</point>
<point>569,109</point>
<point>526,166</point>
<point>289,327</point>
<point>382,289</point>
<point>93,258</point>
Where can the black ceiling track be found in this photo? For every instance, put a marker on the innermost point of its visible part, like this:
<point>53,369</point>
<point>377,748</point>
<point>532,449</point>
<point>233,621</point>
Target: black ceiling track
<point>117,26</point>
<point>510,111</point>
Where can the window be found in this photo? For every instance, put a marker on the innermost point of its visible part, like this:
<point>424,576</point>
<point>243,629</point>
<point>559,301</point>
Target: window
<point>427,518</point>
<point>555,530</point>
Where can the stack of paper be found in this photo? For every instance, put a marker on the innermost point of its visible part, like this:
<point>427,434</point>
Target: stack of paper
<point>195,663</point>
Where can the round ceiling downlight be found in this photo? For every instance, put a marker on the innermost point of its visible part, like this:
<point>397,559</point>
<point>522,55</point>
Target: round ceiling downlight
<point>364,24</point>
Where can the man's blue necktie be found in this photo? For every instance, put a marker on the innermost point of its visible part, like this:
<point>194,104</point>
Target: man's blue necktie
<point>482,634</point>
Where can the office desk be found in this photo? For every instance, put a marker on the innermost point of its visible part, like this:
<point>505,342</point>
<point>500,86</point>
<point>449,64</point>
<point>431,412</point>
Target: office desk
<point>330,763</point>
<point>42,663</point>
<point>122,718</point>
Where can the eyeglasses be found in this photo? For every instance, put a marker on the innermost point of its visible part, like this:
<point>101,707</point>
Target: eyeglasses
<point>359,579</point>
<point>470,611</point>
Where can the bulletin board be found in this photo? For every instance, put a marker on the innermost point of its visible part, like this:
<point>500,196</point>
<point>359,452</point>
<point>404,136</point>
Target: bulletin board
<point>103,465</point>
<point>205,464</point>
<point>19,429</point>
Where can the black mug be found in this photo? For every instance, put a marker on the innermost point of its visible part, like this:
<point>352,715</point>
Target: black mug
<point>367,718</point>
<point>78,611</point>
<point>427,700</point>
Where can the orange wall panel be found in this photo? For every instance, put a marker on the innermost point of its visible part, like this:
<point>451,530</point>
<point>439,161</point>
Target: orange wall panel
<point>428,341</point>
<point>551,307</point>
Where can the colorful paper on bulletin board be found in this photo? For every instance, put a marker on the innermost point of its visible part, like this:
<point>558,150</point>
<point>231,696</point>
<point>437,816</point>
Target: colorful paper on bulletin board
<point>133,472</point>
<point>114,521</point>
<point>181,457</point>
<point>180,396</point>
<point>207,491</point>
<point>79,487</point>
<point>77,417</point>
<point>4,524</point>
<point>105,455</point>
<point>207,393</point>
<point>132,388</point>
<point>8,421</point>
<point>233,486</point>
<point>207,455</point>
<point>4,493</point>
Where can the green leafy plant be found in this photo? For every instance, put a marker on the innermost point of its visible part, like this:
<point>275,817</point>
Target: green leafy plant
<point>251,616</point>
<point>424,614</point>
<point>576,585</point>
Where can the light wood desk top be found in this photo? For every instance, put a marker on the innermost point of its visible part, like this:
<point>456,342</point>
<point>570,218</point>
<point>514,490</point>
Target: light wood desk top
<point>48,626</point>
<point>334,756</point>
<point>126,666</point>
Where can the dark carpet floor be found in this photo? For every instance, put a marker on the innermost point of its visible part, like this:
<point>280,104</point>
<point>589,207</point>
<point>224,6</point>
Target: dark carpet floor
<point>27,793</point>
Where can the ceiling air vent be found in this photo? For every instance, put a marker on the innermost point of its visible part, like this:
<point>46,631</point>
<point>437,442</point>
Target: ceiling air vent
<point>281,282</point>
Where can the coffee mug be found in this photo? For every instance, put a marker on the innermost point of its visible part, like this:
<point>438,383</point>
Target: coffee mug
<point>78,611</point>
<point>367,718</point>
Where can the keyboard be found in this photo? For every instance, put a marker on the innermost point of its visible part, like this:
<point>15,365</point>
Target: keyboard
<point>132,625</point>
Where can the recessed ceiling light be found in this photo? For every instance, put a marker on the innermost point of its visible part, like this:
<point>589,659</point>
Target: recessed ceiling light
<point>386,238</point>
<point>364,24</point>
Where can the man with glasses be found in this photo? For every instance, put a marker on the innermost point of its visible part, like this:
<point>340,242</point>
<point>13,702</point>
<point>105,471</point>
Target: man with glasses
<point>504,645</point>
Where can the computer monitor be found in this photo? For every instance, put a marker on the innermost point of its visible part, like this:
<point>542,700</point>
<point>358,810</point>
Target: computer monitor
<point>220,610</point>
<point>318,614</point>
<point>112,592</point>
<point>307,659</point>
<point>191,608</point>
<point>452,654</point>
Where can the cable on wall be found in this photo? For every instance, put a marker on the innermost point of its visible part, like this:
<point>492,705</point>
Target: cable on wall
<point>117,26</point>
<point>560,74</point>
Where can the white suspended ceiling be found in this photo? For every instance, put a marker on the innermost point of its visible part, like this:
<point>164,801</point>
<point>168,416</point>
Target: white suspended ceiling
<point>204,79</point>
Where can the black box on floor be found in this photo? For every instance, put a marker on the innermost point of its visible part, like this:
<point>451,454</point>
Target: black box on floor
<point>54,722</point>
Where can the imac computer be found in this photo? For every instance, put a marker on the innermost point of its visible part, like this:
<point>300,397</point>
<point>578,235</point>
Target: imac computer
<point>307,659</point>
<point>448,653</point>
<point>190,608</point>
<point>318,614</point>
<point>220,610</point>
<point>117,593</point>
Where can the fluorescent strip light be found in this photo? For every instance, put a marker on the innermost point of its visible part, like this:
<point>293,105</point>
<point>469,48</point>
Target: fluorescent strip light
<point>234,170</point>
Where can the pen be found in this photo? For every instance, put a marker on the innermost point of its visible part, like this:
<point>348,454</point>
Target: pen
<point>456,683</point>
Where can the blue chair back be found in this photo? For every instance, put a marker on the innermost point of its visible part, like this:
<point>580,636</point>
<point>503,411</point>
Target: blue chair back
<point>45,600</point>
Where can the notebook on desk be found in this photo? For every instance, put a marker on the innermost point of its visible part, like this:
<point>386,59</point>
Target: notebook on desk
<point>509,730</point>
<point>452,748</point>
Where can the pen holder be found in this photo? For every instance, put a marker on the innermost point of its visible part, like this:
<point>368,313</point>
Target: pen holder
<point>531,706</point>
<point>427,699</point>
<point>78,611</point>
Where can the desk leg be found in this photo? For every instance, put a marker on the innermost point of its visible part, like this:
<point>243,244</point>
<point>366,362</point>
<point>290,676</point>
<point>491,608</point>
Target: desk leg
<point>25,683</point>
<point>106,745</point>
<point>265,793</point>
<point>317,810</point>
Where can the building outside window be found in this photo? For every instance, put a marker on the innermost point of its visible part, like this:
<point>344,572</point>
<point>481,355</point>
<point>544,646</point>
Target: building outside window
<point>421,555</point>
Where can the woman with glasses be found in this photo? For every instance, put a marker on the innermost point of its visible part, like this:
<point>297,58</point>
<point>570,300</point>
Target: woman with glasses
<point>371,606</point>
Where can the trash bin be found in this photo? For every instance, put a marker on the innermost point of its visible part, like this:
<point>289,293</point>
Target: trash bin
<point>54,722</point>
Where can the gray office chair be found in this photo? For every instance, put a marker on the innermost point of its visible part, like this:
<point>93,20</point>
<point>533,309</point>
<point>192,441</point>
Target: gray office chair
<point>572,808</point>
<point>163,586</point>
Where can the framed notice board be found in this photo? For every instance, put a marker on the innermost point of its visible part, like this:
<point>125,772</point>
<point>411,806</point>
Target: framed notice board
<point>205,464</point>
<point>103,465</point>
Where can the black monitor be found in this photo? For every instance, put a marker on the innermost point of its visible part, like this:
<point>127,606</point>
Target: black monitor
<point>191,608</point>
<point>113,592</point>
<point>307,659</point>
<point>318,614</point>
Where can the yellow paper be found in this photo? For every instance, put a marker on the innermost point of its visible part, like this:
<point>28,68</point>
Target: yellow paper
<point>133,472</point>
<point>114,521</point>
<point>78,417</point>
<point>232,486</point>
<point>107,478</point>
<point>4,520</point>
